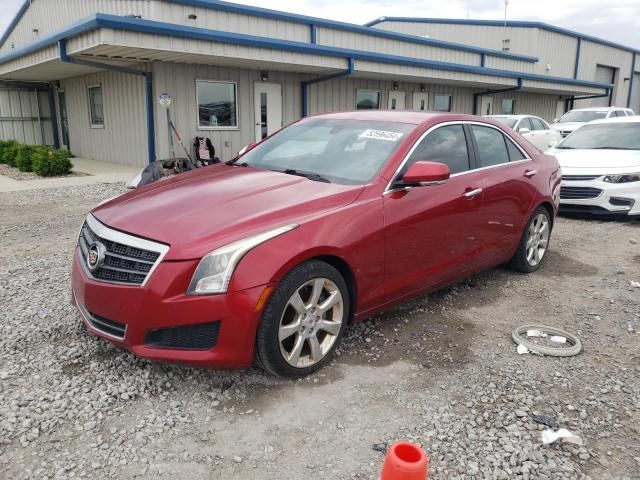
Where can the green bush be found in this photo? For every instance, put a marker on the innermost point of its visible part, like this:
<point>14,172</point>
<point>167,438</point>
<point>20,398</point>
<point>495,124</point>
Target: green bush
<point>3,145</point>
<point>23,157</point>
<point>9,153</point>
<point>48,162</point>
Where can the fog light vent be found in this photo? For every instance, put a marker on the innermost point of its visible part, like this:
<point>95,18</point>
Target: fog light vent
<point>202,336</point>
<point>621,202</point>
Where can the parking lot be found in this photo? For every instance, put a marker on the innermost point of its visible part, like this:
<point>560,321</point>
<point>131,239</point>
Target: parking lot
<point>441,371</point>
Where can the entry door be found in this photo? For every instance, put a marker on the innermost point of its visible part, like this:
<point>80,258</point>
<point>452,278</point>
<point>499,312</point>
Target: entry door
<point>396,100</point>
<point>268,108</point>
<point>64,119</point>
<point>420,101</point>
<point>486,105</point>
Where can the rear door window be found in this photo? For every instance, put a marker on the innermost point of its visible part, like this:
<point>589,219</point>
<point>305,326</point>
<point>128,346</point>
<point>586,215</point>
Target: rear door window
<point>491,145</point>
<point>446,145</point>
<point>538,124</point>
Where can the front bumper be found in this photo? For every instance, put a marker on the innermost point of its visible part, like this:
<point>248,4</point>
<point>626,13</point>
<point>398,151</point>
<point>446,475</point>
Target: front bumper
<point>616,199</point>
<point>129,315</point>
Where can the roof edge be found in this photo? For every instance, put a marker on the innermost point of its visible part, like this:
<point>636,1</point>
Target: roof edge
<point>101,20</point>
<point>510,23</point>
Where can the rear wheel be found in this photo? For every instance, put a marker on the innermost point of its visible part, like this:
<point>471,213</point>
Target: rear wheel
<point>303,323</point>
<point>534,243</point>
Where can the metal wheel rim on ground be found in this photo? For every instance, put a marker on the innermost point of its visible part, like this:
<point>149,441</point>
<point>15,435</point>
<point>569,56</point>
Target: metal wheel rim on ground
<point>311,322</point>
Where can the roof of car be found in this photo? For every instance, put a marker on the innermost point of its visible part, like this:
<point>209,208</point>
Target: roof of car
<point>410,117</point>
<point>511,116</point>
<point>632,119</point>
<point>597,109</point>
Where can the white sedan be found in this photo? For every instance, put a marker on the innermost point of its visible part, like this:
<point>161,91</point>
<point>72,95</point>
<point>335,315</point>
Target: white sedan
<point>534,129</point>
<point>601,168</point>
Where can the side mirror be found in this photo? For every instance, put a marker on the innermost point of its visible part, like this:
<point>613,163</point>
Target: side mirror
<point>523,131</point>
<point>553,143</point>
<point>425,173</point>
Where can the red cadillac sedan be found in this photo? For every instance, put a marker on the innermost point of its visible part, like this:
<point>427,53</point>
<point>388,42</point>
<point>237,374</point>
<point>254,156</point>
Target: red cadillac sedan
<point>268,258</point>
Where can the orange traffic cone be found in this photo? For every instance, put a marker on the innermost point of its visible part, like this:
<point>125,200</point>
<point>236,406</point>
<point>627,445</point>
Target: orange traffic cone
<point>405,461</point>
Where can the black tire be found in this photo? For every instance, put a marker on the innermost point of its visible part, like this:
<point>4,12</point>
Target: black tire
<point>519,261</point>
<point>268,355</point>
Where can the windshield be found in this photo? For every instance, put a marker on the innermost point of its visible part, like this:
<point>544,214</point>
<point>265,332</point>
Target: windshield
<point>582,116</point>
<point>337,150</point>
<point>617,136</point>
<point>508,121</point>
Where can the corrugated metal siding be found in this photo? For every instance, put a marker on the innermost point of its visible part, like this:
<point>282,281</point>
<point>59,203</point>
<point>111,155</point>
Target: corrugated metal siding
<point>359,41</point>
<point>229,22</point>
<point>49,16</point>
<point>543,106</point>
<point>44,55</point>
<point>551,48</point>
<point>594,54</point>
<point>15,103</point>
<point>179,81</point>
<point>124,137</point>
<point>339,95</point>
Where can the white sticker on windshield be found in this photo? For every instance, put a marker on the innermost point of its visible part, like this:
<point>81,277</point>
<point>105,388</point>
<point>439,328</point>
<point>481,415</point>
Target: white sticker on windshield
<point>382,135</point>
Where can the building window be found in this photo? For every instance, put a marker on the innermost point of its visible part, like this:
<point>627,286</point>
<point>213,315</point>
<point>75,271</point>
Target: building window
<point>96,112</point>
<point>367,99</point>
<point>217,104</point>
<point>442,103</point>
<point>508,106</point>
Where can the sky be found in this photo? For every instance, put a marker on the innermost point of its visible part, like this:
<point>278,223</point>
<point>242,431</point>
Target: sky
<point>613,20</point>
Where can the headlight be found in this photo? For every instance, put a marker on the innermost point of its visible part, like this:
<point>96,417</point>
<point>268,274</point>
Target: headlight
<point>215,270</point>
<point>626,178</point>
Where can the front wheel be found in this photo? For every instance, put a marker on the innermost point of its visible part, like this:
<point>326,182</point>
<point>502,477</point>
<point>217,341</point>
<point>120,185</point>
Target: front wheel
<point>303,322</point>
<point>534,243</point>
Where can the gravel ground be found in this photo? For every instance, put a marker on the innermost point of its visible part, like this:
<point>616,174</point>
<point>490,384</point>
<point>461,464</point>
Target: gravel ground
<point>15,174</point>
<point>441,371</point>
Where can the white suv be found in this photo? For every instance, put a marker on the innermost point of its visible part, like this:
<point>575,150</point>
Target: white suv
<point>577,117</point>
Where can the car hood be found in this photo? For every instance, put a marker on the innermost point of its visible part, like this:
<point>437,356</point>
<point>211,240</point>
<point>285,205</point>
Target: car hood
<point>566,127</point>
<point>199,211</point>
<point>598,161</point>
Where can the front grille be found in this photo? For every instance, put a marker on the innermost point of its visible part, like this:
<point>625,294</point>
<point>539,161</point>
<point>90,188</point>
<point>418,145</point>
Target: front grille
<point>580,178</point>
<point>107,326</point>
<point>579,193</point>
<point>203,336</point>
<point>123,262</point>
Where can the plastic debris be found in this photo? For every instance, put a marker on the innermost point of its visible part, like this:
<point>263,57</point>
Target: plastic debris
<point>536,333</point>
<point>549,436</point>
<point>546,420</point>
<point>522,349</point>
<point>558,339</point>
<point>635,284</point>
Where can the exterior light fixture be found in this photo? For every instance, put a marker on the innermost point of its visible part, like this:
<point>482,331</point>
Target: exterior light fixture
<point>395,85</point>
<point>165,100</point>
<point>422,87</point>
<point>264,76</point>
<point>193,16</point>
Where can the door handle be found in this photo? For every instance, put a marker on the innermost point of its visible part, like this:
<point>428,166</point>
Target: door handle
<point>530,173</point>
<point>473,193</point>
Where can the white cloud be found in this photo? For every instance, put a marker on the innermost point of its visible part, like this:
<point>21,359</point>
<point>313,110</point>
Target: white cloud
<point>614,20</point>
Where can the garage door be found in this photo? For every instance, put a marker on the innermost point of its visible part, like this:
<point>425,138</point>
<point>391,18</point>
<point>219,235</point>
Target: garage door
<point>25,116</point>
<point>603,75</point>
<point>635,94</point>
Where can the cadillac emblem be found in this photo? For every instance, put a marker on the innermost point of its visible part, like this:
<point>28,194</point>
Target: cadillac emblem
<point>95,256</point>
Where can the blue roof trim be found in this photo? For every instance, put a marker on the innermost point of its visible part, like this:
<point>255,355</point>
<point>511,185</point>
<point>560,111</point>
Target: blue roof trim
<point>15,21</point>
<point>347,27</point>
<point>500,23</point>
<point>101,20</point>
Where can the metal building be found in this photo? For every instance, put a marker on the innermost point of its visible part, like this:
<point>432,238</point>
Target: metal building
<point>237,73</point>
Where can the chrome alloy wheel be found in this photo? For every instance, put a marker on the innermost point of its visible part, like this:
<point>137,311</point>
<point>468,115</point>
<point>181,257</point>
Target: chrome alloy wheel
<point>537,239</point>
<point>311,322</point>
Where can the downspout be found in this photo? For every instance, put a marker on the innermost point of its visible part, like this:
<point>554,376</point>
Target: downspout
<point>577,64</point>
<point>633,74</point>
<point>305,85</point>
<point>493,92</point>
<point>151,144</point>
